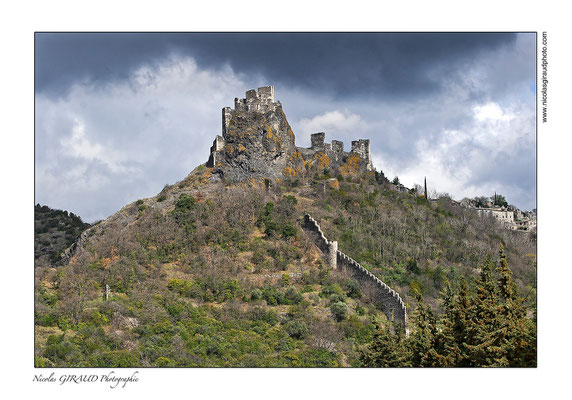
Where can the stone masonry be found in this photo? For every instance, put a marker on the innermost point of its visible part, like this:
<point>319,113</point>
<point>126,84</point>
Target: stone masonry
<point>389,300</point>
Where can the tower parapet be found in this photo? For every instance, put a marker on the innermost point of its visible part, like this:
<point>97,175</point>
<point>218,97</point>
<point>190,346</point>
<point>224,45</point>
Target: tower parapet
<point>261,100</point>
<point>337,146</point>
<point>317,140</point>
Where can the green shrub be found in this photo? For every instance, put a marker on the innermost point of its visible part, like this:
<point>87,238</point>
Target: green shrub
<point>352,289</point>
<point>296,329</point>
<point>162,327</point>
<point>98,319</point>
<point>411,265</point>
<point>40,362</point>
<point>118,359</point>
<point>58,349</point>
<point>161,198</point>
<point>339,311</point>
<point>328,290</point>
<point>261,314</point>
<point>185,202</point>
<point>64,324</point>
<point>256,294</point>
<point>164,362</point>
<point>337,298</point>
<point>288,231</point>
<point>308,289</point>
<point>292,296</point>
<point>49,319</point>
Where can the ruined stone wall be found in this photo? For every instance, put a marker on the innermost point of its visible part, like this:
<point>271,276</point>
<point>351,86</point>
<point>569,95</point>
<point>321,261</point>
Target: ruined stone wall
<point>226,117</point>
<point>388,299</point>
<point>327,247</point>
<point>335,153</point>
<point>317,141</point>
<point>218,145</point>
<point>362,148</point>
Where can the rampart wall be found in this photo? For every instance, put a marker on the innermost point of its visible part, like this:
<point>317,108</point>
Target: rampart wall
<point>388,299</point>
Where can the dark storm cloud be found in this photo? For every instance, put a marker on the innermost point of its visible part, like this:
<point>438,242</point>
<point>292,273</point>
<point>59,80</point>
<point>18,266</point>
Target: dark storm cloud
<point>389,64</point>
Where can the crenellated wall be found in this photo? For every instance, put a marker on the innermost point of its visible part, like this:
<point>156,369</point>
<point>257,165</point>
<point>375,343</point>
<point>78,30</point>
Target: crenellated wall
<point>389,300</point>
<point>330,249</point>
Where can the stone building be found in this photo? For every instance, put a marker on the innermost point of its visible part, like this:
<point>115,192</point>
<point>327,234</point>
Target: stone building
<point>511,217</point>
<point>499,213</point>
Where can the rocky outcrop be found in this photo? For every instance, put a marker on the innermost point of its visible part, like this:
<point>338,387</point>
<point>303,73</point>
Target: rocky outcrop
<point>256,142</point>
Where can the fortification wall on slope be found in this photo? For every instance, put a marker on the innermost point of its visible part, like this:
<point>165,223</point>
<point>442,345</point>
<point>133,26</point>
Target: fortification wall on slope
<point>389,300</point>
<point>329,248</point>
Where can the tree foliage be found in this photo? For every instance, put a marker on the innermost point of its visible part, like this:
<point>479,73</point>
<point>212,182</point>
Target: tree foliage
<point>482,326</point>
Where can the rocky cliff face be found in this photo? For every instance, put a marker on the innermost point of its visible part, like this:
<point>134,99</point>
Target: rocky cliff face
<point>257,143</point>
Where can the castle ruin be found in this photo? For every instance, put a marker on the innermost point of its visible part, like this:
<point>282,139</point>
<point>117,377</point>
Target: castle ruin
<point>258,142</point>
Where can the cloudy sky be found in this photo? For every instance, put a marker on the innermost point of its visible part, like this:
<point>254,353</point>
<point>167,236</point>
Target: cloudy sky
<point>118,116</point>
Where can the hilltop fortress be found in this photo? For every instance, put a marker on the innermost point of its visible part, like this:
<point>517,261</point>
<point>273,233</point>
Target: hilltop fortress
<point>257,142</point>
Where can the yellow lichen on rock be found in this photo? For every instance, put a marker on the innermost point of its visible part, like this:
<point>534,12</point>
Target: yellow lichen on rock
<point>228,149</point>
<point>351,167</point>
<point>296,155</point>
<point>288,171</point>
<point>322,159</point>
<point>271,135</point>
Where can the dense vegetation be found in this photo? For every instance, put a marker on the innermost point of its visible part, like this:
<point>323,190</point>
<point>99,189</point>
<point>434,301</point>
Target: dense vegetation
<point>55,231</point>
<point>215,274</point>
<point>483,325</point>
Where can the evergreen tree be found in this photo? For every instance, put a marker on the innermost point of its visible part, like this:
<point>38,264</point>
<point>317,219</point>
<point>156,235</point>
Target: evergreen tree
<point>462,325</point>
<point>385,350</point>
<point>486,349</point>
<point>486,326</point>
<point>446,347</point>
<point>518,335</point>
<point>421,341</point>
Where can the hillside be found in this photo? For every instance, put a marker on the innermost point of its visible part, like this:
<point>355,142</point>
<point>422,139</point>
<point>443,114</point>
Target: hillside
<point>216,269</point>
<point>54,232</point>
